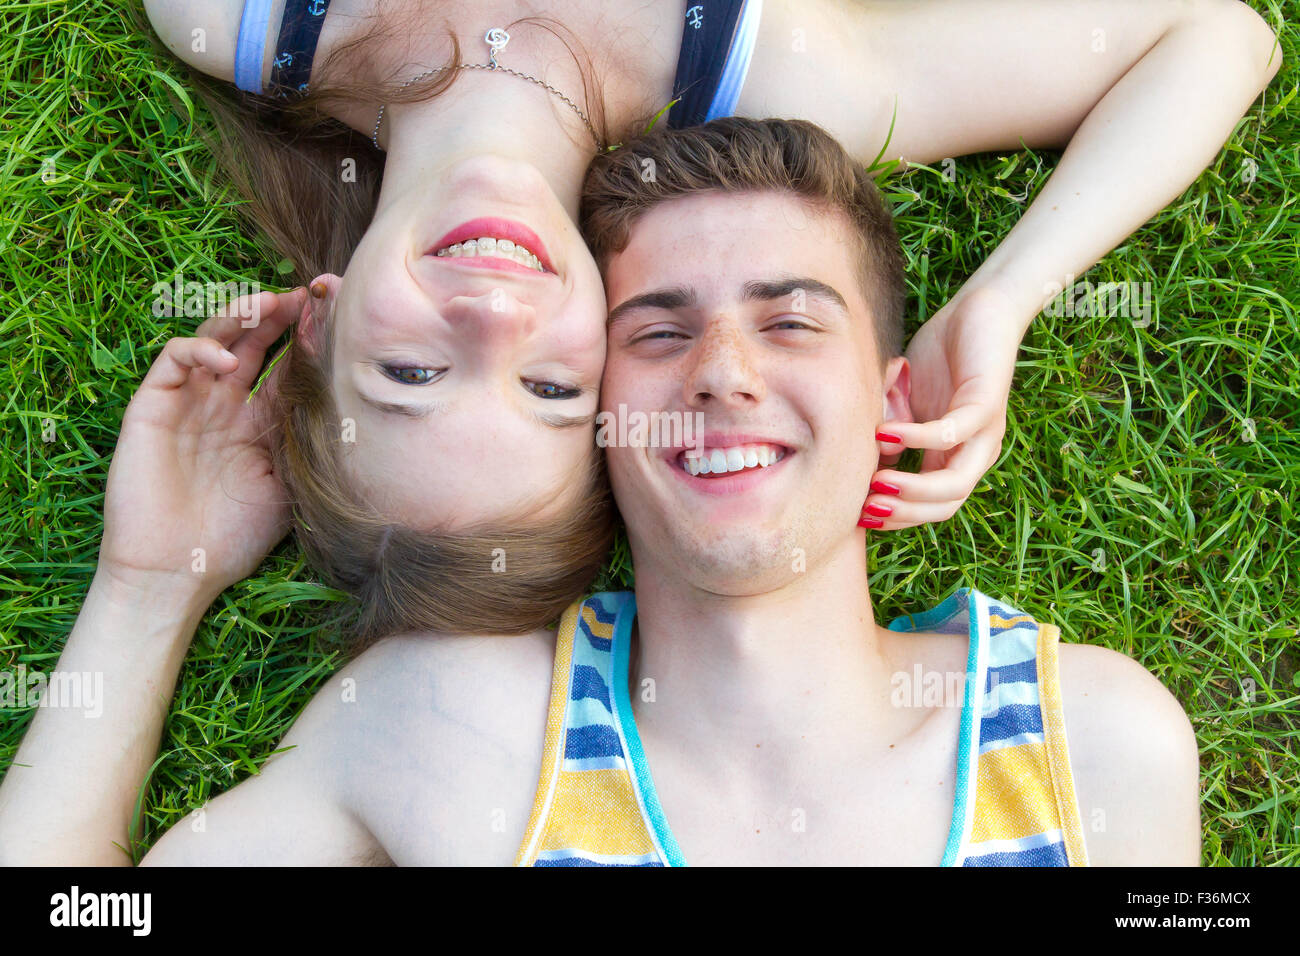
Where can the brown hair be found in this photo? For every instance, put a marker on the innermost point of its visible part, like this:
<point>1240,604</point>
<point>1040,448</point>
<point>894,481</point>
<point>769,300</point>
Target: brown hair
<point>747,155</point>
<point>285,158</point>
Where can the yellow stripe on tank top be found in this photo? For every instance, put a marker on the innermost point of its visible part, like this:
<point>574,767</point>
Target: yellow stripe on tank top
<point>998,621</point>
<point>1013,796</point>
<point>1058,751</point>
<point>596,811</point>
<point>596,627</point>
<point>553,746</point>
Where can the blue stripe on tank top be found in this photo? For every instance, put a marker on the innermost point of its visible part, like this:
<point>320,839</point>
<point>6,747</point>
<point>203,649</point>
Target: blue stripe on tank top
<point>593,740</point>
<point>603,614</point>
<point>1011,722</point>
<point>1052,855</point>
<point>599,643</point>
<point>579,861</point>
<point>587,682</point>
<point>1026,671</point>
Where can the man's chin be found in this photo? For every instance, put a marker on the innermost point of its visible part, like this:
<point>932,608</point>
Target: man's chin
<point>739,564</point>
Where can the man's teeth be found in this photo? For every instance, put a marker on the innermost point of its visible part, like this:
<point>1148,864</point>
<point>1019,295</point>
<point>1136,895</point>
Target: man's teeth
<point>718,461</point>
<point>488,246</point>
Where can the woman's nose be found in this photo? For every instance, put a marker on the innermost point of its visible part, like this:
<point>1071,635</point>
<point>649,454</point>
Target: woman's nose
<point>496,314</point>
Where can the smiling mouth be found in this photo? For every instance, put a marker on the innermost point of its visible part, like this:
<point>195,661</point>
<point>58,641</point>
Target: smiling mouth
<point>490,247</point>
<point>736,459</point>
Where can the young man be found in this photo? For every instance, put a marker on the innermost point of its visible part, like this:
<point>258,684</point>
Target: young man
<point>754,279</point>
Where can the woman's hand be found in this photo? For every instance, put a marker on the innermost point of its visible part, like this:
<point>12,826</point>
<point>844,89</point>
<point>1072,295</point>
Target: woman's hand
<point>192,504</point>
<point>962,361</point>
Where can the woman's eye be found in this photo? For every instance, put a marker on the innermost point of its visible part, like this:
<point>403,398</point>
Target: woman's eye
<point>552,390</point>
<point>411,376</point>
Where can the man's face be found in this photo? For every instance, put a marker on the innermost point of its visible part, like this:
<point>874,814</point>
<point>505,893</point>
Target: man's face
<point>747,308</point>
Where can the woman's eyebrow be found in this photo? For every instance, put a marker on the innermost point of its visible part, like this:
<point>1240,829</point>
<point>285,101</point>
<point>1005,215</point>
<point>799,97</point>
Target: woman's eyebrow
<point>414,410</point>
<point>678,298</point>
<point>556,420</point>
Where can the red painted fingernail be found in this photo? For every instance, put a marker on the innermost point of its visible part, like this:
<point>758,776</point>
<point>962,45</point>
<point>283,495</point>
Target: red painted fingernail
<point>880,511</point>
<point>885,436</point>
<point>870,523</point>
<point>885,488</point>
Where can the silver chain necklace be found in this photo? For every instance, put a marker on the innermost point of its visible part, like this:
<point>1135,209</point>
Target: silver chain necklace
<point>496,39</point>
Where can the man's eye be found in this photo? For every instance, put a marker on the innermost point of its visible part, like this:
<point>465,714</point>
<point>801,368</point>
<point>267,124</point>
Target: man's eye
<point>790,324</point>
<point>552,390</point>
<point>411,376</point>
<point>662,335</point>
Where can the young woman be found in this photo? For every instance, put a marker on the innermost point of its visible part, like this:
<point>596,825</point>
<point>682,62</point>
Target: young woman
<point>422,161</point>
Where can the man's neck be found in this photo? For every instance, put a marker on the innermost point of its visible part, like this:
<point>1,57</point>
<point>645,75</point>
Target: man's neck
<point>781,671</point>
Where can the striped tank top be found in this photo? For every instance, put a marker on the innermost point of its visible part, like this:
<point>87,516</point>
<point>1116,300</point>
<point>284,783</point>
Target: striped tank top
<point>1014,802</point>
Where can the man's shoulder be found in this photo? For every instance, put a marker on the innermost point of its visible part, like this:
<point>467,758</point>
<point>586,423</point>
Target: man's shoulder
<point>1133,756</point>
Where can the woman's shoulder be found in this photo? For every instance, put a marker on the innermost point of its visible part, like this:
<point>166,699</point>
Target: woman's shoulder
<point>452,724</point>
<point>202,33</point>
<point>451,670</point>
<point>205,33</point>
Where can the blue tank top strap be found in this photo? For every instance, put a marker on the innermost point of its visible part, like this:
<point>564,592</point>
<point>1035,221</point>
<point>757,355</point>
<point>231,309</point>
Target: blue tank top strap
<point>718,41</point>
<point>296,48</point>
<point>250,48</point>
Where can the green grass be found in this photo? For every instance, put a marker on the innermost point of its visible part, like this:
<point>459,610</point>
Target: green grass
<point>1143,499</point>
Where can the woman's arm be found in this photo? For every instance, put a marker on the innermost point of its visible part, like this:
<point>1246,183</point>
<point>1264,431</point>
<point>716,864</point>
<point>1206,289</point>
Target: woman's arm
<point>69,794</point>
<point>1144,93</point>
<point>192,506</point>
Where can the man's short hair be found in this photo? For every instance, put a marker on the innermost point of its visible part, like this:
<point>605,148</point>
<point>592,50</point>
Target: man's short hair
<point>745,155</point>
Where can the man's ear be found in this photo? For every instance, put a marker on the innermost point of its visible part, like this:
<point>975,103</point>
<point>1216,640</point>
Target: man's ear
<point>317,310</point>
<point>897,386</point>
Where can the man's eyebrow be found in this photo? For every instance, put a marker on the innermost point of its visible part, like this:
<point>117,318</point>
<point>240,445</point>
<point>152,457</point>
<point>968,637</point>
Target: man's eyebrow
<point>766,289</point>
<point>678,298</point>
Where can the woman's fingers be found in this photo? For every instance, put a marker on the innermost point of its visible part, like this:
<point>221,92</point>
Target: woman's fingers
<point>180,356</point>
<point>251,347</point>
<point>251,324</point>
<point>227,324</point>
<point>908,514</point>
<point>901,499</point>
<point>956,426</point>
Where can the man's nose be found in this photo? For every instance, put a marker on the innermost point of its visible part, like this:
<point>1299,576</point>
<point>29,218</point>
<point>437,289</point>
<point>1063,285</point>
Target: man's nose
<point>723,368</point>
<point>495,314</point>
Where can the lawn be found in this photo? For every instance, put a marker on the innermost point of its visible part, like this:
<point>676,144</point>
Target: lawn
<point>1142,501</point>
